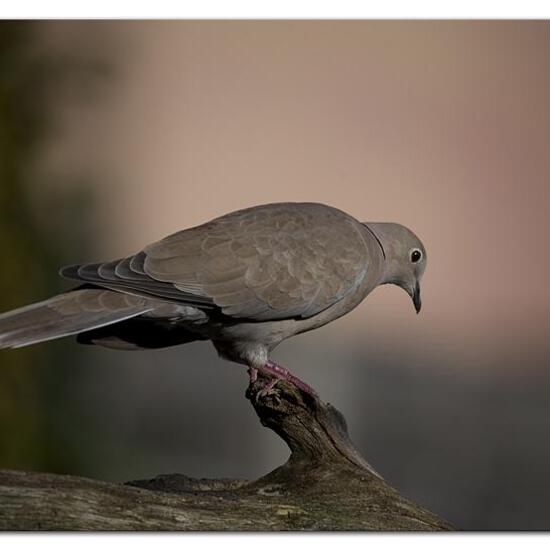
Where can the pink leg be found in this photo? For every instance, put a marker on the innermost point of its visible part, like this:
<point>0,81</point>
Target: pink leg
<point>283,374</point>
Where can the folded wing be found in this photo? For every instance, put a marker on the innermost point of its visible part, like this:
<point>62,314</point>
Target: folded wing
<point>269,262</point>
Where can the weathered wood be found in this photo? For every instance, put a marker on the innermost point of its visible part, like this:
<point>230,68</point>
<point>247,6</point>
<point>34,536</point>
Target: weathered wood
<point>325,485</point>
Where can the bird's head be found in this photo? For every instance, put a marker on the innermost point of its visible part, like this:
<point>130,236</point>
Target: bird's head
<point>405,258</point>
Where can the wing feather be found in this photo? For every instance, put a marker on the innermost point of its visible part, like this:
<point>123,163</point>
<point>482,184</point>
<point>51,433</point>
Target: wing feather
<point>269,262</point>
<point>264,263</point>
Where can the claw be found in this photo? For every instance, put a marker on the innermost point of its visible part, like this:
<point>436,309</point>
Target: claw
<point>271,374</point>
<point>282,373</point>
<point>253,375</point>
<point>268,389</point>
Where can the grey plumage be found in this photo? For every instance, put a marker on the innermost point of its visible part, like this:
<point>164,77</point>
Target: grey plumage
<point>68,314</point>
<point>246,281</point>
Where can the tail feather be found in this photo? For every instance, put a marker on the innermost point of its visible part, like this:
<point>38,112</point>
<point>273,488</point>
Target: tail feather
<point>67,314</point>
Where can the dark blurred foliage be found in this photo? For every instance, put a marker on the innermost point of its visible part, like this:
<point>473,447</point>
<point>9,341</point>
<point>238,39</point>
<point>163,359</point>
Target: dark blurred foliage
<point>32,81</point>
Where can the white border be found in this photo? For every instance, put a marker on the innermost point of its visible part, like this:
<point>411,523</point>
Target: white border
<point>282,9</point>
<point>321,541</point>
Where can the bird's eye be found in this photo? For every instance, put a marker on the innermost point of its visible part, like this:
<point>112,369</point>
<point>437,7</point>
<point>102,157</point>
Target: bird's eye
<point>416,255</point>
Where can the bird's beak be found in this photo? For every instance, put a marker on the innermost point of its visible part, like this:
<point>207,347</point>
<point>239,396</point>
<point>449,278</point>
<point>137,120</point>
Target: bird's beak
<point>415,295</point>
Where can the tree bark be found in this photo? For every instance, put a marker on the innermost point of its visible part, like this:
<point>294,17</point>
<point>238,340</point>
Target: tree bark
<point>324,485</point>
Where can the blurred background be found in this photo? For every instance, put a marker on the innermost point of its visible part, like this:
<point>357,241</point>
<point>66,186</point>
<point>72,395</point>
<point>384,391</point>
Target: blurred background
<point>114,134</point>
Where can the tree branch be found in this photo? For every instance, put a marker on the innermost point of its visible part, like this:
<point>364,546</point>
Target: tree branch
<point>325,485</point>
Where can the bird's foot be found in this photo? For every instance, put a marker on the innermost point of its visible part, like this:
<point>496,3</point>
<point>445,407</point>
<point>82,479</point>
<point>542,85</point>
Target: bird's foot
<point>262,381</point>
<point>284,374</point>
<point>266,384</point>
<point>252,375</point>
<point>261,386</point>
<point>267,389</point>
<point>280,373</point>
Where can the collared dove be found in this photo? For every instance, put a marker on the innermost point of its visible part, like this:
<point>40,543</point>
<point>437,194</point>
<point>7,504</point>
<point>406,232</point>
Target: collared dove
<point>246,281</point>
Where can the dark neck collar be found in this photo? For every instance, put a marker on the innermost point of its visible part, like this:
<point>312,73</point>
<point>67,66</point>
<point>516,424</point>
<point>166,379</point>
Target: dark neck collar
<point>377,240</point>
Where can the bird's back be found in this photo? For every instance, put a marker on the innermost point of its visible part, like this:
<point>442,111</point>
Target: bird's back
<point>268,262</point>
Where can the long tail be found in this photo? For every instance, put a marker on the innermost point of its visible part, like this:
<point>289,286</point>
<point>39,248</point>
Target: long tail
<point>66,314</point>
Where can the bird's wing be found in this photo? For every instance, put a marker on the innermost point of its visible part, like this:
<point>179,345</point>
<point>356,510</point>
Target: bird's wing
<point>268,262</point>
<point>66,314</point>
<point>127,275</point>
<point>265,263</point>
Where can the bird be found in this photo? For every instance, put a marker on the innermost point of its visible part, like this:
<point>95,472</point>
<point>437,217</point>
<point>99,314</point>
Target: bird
<point>246,281</point>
